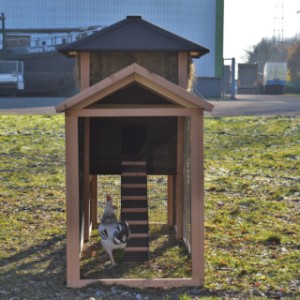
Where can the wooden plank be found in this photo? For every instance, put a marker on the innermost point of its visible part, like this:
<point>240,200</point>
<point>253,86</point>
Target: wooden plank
<point>86,180</point>
<point>183,69</point>
<point>84,70</point>
<point>170,220</point>
<point>135,112</point>
<point>72,194</point>
<point>134,185</point>
<point>139,235</point>
<point>134,174</point>
<point>179,180</point>
<point>112,106</point>
<point>197,199</point>
<point>133,163</point>
<point>94,200</point>
<point>136,249</point>
<point>134,198</point>
<point>134,210</point>
<point>137,222</point>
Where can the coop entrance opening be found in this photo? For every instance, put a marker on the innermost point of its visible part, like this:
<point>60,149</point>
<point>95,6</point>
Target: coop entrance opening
<point>166,255</point>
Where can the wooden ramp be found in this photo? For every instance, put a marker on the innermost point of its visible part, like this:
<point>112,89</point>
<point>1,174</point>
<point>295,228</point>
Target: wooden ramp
<point>134,209</point>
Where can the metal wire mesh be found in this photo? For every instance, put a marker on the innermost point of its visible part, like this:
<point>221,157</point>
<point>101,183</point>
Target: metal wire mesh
<point>168,257</point>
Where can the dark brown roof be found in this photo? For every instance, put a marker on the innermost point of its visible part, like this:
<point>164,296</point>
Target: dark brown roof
<point>135,34</point>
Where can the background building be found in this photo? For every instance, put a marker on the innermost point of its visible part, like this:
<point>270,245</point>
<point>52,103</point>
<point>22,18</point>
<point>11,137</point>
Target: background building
<point>200,21</point>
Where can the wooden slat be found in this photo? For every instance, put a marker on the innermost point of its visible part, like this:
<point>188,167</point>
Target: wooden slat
<point>139,235</point>
<point>137,222</point>
<point>94,199</point>
<point>86,180</point>
<point>183,69</point>
<point>197,199</point>
<point>72,193</point>
<point>136,249</point>
<point>136,112</point>
<point>134,198</point>
<point>134,185</point>
<point>170,206</point>
<point>133,163</point>
<point>133,210</point>
<point>179,180</point>
<point>133,174</point>
<point>84,70</point>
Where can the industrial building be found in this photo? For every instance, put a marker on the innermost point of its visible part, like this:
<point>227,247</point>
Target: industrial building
<point>200,21</point>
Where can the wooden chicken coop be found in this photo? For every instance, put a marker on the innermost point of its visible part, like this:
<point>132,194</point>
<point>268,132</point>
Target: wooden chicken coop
<point>134,117</point>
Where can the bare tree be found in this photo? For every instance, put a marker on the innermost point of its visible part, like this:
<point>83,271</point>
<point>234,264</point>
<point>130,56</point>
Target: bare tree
<point>267,50</point>
<point>293,60</point>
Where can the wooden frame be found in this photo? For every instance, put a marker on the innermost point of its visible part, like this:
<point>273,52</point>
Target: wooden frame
<point>184,104</point>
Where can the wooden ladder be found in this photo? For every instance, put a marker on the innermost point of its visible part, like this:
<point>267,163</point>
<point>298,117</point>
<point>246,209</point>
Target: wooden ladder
<point>134,209</point>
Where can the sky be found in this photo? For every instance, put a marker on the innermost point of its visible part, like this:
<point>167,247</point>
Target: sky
<point>246,22</point>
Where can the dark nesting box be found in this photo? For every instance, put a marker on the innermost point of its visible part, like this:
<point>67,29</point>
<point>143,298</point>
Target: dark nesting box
<point>134,117</point>
<point>151,139</point>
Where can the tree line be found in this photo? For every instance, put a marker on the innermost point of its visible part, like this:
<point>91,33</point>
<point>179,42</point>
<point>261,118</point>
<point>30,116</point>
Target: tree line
<point>268,49</point>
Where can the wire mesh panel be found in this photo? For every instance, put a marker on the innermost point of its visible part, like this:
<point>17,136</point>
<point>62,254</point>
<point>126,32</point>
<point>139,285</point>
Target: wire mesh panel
<point>145,201</point>
<point>168,257</point>
<point>157,198</point>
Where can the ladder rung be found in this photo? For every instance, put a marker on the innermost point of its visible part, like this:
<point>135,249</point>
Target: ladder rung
<point>137,222</point>
<point>133,163</point>
<point>133,174</point>
<point>136,249</point>
<point>139,235</point>
<point>134,185</point>
<point>134,210</point>
<point>134,197</point>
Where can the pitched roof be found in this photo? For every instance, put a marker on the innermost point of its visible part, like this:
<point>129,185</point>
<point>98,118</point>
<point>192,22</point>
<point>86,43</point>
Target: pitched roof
<point>135,34</point>
<point>134,74</point>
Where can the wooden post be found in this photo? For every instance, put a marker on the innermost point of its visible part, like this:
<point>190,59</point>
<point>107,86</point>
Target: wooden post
<point>86,180</point>
<point>183,82</point>
<point>170,208</point>
<point>84,84</point>
<point>183,76</point>
<point>94,200</point>
<point>197,198</point>
<point>72,194</point>
<point>179,179</point>
<point>84,70</point>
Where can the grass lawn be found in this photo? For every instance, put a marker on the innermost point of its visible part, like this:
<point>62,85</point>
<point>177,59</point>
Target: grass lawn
<point>252,169</point>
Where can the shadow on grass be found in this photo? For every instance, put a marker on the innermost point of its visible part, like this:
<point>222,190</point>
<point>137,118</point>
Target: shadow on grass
<point>35,271</point>
<point>169,258</point>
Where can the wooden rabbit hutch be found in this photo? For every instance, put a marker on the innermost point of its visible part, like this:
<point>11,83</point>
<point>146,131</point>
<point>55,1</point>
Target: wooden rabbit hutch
<point>134,117</point>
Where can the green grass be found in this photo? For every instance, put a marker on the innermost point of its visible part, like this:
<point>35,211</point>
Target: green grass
<point>252,167</point>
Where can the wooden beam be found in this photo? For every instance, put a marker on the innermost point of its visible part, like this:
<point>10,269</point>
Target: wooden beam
<point>179,180</point>
<point>170,208</point>
<point>183,76</point>
<point>94,200</point>
<point>84,70</point>
<point>86,180</point>
<point>197,199</point>
<point>136,112</point>
<point>72,194</point>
